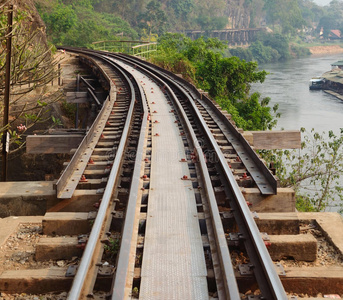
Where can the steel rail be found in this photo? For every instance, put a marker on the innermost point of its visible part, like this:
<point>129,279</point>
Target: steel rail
<point>95,235</point>
<point>266,275</point>
<point>263,178</point>
<point>265,272</point>
<point>231,289</point>
<point>120,280</point>
<point>70,177</point>
<point>94,97</point>
<point>87,83</point>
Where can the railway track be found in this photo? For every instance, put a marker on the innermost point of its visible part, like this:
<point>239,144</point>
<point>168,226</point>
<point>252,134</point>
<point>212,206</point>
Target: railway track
<point>152,198</point>
<point>265,273</point>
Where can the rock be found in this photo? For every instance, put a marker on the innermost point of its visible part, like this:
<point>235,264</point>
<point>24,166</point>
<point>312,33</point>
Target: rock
<point>60,263</point>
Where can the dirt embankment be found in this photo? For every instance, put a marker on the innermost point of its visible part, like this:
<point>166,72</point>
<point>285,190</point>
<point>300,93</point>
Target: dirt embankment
<point>326,50</point>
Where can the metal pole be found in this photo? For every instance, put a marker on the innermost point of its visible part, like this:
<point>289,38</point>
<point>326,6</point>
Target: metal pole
<point>7,91</point>
<point>77,104</point>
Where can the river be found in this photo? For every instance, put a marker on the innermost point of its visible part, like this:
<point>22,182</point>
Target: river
<point>288,85</point>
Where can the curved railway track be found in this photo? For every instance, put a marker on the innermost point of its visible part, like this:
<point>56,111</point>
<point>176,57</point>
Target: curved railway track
<point>151,204</point>
<point>213,163</point>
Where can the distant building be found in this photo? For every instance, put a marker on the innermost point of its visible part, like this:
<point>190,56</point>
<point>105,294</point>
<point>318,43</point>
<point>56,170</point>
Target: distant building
<point>335,34</point>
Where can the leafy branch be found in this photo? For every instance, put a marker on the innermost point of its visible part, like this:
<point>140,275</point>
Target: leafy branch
<point>32,69</point>
<point>315,171</point>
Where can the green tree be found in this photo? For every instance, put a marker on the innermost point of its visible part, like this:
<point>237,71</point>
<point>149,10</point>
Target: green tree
<point>208,22</point>
<point>229,77</point>
<point>327,23</point>
<point>154,18</point>
<point>60,20</point>
<point>285,13</point>
<point>227,80</point>
<point>182,8</point>
<point>256,113</point>
<point>263,54</point>
<point>78,24</point>
<point>242,53</point>
<point>314,172</point>
<point>277,42</point>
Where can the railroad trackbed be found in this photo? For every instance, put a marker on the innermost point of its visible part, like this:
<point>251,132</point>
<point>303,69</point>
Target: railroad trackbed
<point>164,199</point>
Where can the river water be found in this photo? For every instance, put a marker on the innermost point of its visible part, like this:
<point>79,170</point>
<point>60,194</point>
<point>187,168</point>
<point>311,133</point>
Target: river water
<point>288,85</point>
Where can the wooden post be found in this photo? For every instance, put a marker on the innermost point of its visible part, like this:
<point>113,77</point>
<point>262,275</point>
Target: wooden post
<point>59,74</point>
<point>7,91</point>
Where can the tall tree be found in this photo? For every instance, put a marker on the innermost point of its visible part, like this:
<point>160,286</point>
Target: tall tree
<point>285,13</point>
<point>154,18</point>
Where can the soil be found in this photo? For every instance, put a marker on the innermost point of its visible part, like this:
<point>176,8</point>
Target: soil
<point>18,253</point>
<point>326,50</point>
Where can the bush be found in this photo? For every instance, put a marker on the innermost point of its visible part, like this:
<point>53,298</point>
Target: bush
<point>300,51</point>
<point>242,53</point>
<point>264,54</point>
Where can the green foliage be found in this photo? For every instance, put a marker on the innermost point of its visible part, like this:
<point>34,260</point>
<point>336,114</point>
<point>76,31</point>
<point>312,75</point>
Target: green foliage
<point>226,79</point>
<point>300,51</point>
<point>208,22</point>
<point>263,54</point>
<point>230,77</point>
<point>112,248</point>
<point>327,23</point>
<point>78,24</point>
<point>154,18</point>
<point>268,48</point>
<point>135,292</point>
<point>69,109</point>
<point>181,55</point>
<point>182,8</point>
<point>256,113</point>
<point>242,53</point>
<point>56,121</point>
<point>314,172</point>
<point>277,42</point>
<point>60,20</point>
<point>286,13</point>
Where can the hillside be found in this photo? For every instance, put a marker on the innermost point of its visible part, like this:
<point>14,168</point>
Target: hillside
<point>83,22</point>
<point>79,23</point>
<point>35,19</point>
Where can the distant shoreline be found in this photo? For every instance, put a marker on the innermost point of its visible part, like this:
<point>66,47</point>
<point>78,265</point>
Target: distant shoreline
<point>326,50</point>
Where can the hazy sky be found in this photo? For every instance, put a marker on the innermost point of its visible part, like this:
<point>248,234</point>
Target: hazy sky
<point>322,2</point>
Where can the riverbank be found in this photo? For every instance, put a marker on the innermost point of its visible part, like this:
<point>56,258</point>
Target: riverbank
<point>326,50</point>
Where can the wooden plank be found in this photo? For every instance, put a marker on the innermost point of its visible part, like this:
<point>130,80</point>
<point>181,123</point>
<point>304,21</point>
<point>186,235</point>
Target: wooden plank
<point>77,97</point>
<point>314,280</point>
<point>303,280</point>
<point>68,223</point>
<point>37,144</point>
<point>302,247</point>
<point>276,139</point>
<point>284,201</point>
<point>35,280</point>
<point>40,281</point>
<point>278,223</point>
<point>57,248</point>
<point>77,100</point>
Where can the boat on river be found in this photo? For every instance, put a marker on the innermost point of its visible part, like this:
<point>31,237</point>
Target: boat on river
<point>316,83</point>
